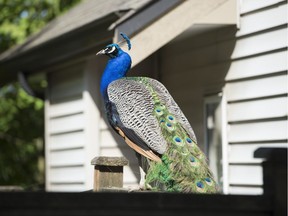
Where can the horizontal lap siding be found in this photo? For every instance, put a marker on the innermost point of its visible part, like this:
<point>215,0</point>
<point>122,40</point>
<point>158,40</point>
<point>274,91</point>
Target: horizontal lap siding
<point>258,109</point>
<point>256,92</point>
<point>65,131</point>
<point>258,131</point>
<point>244,153</point>
<point>257,88</point>
<point>194,67</point>
<point>250,6</point>
<point>113,145</point>
<point>251,24</point>
<point>258,65</point>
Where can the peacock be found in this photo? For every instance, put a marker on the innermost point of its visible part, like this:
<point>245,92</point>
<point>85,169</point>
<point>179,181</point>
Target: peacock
<point>142,111</point>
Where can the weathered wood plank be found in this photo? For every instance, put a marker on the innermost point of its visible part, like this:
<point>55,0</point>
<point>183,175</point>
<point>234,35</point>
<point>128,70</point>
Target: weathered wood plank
<point>108,172</point>
<point>141,204</point>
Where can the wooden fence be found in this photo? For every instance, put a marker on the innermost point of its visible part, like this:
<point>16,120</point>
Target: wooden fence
<point>272,202</point>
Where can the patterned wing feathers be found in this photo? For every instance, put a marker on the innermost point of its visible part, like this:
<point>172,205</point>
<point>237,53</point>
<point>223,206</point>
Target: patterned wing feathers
<point>135,106</point>
<point>146,153</point>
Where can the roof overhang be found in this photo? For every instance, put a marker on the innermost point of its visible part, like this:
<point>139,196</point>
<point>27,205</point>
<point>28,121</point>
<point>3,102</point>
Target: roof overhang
<point>68,46</point>
<point>187,15</point>
<point>150,27</point>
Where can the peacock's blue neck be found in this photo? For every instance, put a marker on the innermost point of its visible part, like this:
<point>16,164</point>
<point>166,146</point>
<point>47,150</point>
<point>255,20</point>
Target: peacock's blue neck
<point>116,68</point>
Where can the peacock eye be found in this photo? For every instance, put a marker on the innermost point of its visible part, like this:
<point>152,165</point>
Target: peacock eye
<point>107,49</point>
<point>110,49</point>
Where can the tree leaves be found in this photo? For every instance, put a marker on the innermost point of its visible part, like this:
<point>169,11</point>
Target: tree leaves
<point>21,137</point>
<point>20,18</point>
<point>22,116</point>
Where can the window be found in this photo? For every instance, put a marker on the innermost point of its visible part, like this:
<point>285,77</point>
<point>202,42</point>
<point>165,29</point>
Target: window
<point>213,134</point>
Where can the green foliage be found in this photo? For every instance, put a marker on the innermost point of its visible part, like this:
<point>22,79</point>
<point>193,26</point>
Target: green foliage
<point>21,132</point>
<point>22,116</point>
<point>20,18</point>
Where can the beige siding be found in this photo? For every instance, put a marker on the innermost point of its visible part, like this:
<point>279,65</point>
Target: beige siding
<point>195,67</point>
<point>262,20</point>
<point>258,131</point>
<point>114,146</point>
<point>75,131</point>
<point>239,153</point>
<point>65,131</point>
<point>250,6</point>
<point>256,92</point>
<point>258,65</point>
<point>260,43</point>
<point>258,109</point>
<point>257,88</point>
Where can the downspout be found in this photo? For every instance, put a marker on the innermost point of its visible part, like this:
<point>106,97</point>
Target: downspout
<point>23,81</point>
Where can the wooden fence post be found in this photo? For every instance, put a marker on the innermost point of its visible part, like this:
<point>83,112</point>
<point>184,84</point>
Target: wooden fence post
<point>275,177</point>
<point>108,172</point>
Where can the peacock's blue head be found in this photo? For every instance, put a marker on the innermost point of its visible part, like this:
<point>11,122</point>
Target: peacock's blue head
<point>118,64</point>
<point>113,50</point>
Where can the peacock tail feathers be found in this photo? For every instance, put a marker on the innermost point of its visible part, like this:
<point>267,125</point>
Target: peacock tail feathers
<point>155,117</point>
<point>142,111</point>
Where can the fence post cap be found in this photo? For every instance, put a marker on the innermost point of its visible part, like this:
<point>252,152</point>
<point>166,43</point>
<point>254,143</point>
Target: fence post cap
<point>272,154</point>
<point>109,161</point>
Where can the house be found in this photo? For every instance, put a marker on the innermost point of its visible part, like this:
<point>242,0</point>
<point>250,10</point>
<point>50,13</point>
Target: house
<point>224,62</point>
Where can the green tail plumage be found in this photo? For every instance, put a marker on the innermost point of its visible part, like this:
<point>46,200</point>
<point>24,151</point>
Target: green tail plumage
<point>143,112</point>
<point>184,167</point>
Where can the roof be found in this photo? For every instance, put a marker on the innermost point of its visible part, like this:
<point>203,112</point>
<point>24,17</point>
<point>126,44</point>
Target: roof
<point>87,12</point>
<point>79,31</point>
<point>86,27</point>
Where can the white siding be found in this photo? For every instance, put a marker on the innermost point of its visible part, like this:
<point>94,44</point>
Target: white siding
<point>256,92</point>
<point>65,131</point>
<point>239,153</point>
<point>114,146</point>
<point>262,20</point>
<point>258,131</point>
<point>250,6</point>
<point>260,43</point>
<point>258,109</point>
<point>72,118</point>
<point>194,67</point>
<point>258,65</point>
<point>257,88</point>
<point>75,131</point>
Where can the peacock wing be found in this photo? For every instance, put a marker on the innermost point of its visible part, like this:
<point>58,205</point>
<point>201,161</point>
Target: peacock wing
<point>165,98</point>
<point>133,106</point>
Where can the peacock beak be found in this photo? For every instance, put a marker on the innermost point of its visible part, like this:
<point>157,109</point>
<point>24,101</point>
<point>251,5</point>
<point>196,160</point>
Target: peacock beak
<point>101,52</point>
